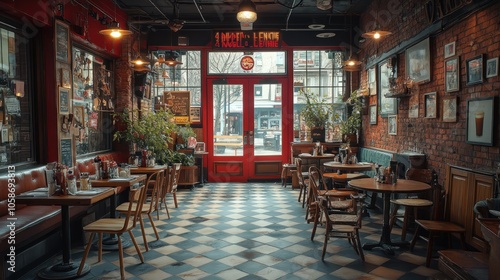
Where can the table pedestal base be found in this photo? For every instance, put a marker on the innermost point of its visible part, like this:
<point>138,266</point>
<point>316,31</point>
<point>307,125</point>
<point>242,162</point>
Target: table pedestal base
<point>387,247</point>
<point>63,271</point>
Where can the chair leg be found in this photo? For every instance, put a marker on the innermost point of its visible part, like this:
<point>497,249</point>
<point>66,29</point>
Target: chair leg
<point>132,237</point>
<point>153,226</point>
<point>327,233</point>
<point>360,248</point>
<point>415,237</point>
<point>393,216</point>
<point>141,222</point>
<point>85,254</point>
<point>315,225</point>
<point>406,220</point>
<point>99,254</point>
<point>120,255</point>
<point>430,244</point>
<point>166,208</point>
<point>300,194</point>
<point>175,199</point>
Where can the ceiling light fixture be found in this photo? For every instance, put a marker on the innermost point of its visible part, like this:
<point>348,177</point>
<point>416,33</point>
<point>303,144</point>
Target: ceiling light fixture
<point>138,61</point>
<point>376,33</point>
<point>247,14</point>
<point>325,35</point>
<point>351,64</point>
<point>113,29</point>
<point>324,4</point>
<point>171,58</point>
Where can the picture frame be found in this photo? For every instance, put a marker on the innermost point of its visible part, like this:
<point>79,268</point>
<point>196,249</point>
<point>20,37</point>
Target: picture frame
<point>372,81</point>
<point>492,67</point>
<point>387,106</point>
<point>449,108</point>
<point>449,50</point>
<point>62,43</point>
<point>474,68</point>
<point>480,121</point>
<point>430,102</point>
<point>392,124</point>
<point>452,74</point>
<point>373,114</point>
<point>64,100</point>
<point>195,115</point>
<point>200,147</point>
<point>65,78</point>
<point>418,62</point>
<point>413,106</point>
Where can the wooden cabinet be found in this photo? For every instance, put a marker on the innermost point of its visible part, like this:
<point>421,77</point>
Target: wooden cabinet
<point>464,188</point>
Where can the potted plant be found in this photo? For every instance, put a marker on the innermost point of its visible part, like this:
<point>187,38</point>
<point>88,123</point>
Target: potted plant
<point>183,133</point>
<point>317,113</point>
<point>151,132</point>
<point>350,126</point>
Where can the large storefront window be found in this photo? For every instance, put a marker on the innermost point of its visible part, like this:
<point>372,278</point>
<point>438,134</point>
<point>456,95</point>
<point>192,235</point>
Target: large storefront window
<point>16,100</point>
<point>265,63</point>
<point>319,72</point>
<point>93,102</point>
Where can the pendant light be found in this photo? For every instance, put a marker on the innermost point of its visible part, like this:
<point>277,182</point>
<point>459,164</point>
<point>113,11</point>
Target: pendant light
<point>247,14</point>
<point>113,29</point>
<point>138,61</point>
<point>351,64</point>
<point>171,58</point>
<point>376,33</point>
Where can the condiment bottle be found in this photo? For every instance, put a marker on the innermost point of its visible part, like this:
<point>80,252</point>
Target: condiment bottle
<point>71,181</point>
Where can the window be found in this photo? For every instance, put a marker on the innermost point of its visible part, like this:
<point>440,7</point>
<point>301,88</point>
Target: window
<point>93,102</point>
<point>16,100</point>
<point>229,63</point>
<point>320,72</point>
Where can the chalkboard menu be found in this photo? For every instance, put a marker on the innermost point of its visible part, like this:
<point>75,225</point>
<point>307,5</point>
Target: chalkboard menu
<point>178,103</point>
<point>66,152</point>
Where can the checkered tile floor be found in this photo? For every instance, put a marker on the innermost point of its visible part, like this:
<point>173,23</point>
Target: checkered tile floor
<point>251,231</point>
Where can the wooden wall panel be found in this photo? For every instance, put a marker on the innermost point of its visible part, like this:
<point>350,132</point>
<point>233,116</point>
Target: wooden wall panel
<point>266,168</point>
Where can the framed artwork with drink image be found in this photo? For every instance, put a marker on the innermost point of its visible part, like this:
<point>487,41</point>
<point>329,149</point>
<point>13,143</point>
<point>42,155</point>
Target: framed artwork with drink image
<point>480,121</point>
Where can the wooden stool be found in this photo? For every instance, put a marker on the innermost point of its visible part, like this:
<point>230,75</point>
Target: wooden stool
<point>286,172</point>
<point>411,208</point>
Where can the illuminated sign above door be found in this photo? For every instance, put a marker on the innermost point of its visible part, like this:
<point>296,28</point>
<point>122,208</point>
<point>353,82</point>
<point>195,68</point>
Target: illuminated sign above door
<point>246,39</point>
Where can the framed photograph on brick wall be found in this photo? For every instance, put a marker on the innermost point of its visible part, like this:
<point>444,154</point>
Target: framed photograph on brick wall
<point>449,50</point>
<point>449,108</point>
<point>373,114</point>
<point>430,104</point>
<point>492,67</point>
<point>392,124</point>
<point>452,74</point>
<point>480,121</point>
<point>474,68</point>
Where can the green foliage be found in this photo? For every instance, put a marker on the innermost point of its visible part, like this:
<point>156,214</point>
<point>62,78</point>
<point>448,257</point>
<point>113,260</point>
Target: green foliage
<point>176,157</point>
<point>353,122</point>
<point>184,132</point>
<point>152,131</point>
<point>318,112</point>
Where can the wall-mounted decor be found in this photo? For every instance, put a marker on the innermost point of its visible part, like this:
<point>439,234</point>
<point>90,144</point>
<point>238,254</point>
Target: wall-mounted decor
<point>372,81</point>
<point>452,75</point>
<point>62,41</point>
<point>393,124</point>
<point>418,62</point>
<point>449,108</point>
<point>480,121</point>
<point>474,68</point>
<point>195,115</point>
<point>373,114</point>
<point>178,102</point>
<point>65,78</point>
<point>413,106</point>
<point>449,50</point>
<point>64,99</point>
<point>430,105</point>
<point>66,149</point>
<point>385,73</point>
<point>492,67</point>
<point>200,147</point>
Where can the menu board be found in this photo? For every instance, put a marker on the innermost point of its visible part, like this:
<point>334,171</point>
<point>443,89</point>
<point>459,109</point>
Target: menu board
<point>66,152</point>
<point>178,103</point>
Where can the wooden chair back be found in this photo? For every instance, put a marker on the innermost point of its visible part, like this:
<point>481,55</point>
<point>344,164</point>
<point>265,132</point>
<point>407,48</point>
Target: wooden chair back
<point>137,195</point>
<point>156,182</point>
<point>300,148</point>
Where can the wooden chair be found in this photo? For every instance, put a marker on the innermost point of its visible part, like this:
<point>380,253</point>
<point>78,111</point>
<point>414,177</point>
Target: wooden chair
<point>153,198</point>
<point>438,225</point>
<point>172,180</point>
<point>412,204</point>
<point>117,226</point>
<point>345,230</point>
<point>302,181</point>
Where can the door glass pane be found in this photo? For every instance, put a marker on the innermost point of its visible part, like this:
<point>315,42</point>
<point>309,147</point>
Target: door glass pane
<point>267,119</point>
<point>228,120</point>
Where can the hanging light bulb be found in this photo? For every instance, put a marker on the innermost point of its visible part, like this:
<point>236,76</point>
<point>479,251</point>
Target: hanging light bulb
<point>159,83</point>
<point>113,29</point>
<point>165,74</point>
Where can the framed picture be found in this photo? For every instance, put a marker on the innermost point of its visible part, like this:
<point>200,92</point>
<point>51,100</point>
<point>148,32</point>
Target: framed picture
<point>387,106</point>
<point>200,147</point>
<point>393,124</point>
<point>480,121</point>
<point>449,109</point>
<point>418,62</point>
<point>65,78</point>
<point>64,99</point>
<point>475,70</point>
<point>413,106</point>
<point>452,75</point>
<point>372,81</point>
<point>430,105</point>
<point>62,41</point>
<point>79,116</point>
<point>492,67</point>
<point>449,50</point>
<point>373,114</point>
<point>195,115</point>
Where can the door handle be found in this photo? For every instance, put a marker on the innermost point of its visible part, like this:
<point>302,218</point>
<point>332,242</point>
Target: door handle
<point>250,138</point>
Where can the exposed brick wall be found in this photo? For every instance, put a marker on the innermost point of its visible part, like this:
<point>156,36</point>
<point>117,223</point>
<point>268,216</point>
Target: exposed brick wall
<point>443,142</point>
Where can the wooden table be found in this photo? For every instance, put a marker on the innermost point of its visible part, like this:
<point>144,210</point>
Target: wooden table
<point>402,186</point>
<point>316,157</point>
<point>67,269</point>
<point>344,167</point>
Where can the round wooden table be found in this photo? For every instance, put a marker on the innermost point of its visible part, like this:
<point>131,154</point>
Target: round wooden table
<point>402,186</point>
<point>344,167</point>
<point>316,157</point>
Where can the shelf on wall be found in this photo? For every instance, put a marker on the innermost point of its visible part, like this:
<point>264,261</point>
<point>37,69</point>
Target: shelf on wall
<point>397,95</point>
